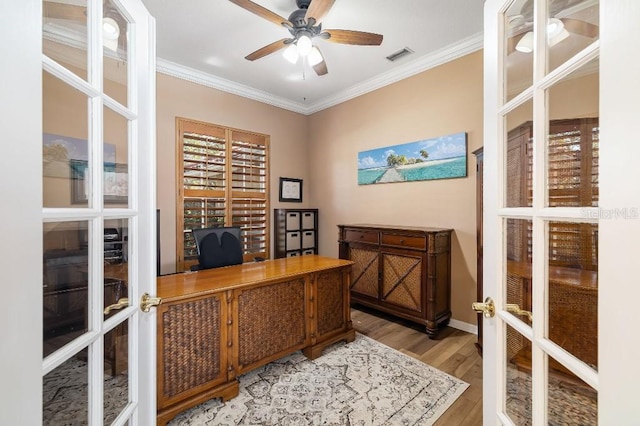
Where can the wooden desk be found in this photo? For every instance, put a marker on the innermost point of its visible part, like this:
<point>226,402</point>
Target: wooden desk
<point>572,319</point>
<point>216,324</point>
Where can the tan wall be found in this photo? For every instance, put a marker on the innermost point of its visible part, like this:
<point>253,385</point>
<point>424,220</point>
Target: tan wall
<point>179,98</point>
<point>440,101</point>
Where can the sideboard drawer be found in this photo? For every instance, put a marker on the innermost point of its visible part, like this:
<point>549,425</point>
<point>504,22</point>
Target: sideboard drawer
<point>408,241</point>
<point>355,236</point>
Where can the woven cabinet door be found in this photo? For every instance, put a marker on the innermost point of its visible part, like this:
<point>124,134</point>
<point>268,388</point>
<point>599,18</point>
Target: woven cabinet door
<point>402,280</point>
<point>271,322</point>
<point>332,303</point>
<point>364,273</point>
<point>190,350</point>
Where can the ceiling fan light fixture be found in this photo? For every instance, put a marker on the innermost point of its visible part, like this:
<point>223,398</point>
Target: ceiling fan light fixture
<point>110,29</point>
<point>304,45</point>
<point>554,27</point>
<point>291,53</point>
<point>525,45</point>
<point>315,57</point>
<point>559,37</point>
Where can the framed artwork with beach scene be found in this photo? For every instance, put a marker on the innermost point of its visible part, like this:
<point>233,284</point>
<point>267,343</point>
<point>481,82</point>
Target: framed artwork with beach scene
<point>444,157</point>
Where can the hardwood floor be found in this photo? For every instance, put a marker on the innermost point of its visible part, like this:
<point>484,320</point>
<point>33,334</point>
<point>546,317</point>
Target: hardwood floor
<point>453,352</point>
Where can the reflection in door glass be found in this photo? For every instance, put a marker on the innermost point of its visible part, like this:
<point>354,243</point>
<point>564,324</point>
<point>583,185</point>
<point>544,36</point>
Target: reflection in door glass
<point>518,47</point>
<point>116,371</point>
<point>573,289</point>
<point>519,260</point>
<point>65,394</point>
<point>571,27</point>
<point>64,34</point>
<point>65,150</point>
<point>518,377</point>
<point>115,38</point>
<point>116,173</point>
<point>519,156</point>
<point>65,296</point>
<point>573,144</point>
<point>571,401</point>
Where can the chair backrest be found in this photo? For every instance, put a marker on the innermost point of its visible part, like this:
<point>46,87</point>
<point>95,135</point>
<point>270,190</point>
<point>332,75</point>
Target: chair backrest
<point>221,246</point>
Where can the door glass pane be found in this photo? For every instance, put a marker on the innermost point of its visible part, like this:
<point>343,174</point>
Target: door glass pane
<point>64,34</point>
<point>573,142</point>
<point>116,165</point>
<point>65,297</point>
<point>519,259</point>
<point>570,400</point>
<point>571,27</point>
<point>116,371</point>
<point>573,289</point>
<point>65,149</point>
<point>518,377</point>
<point>518,24</point>
<point>518,156</point>
<point>65,393</point>
<point>115,32</point>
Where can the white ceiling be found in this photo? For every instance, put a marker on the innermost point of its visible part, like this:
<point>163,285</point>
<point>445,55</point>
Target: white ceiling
<point>207,40</point>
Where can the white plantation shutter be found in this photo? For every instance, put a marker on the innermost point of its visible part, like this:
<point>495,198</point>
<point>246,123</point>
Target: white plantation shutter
<point>223,181</point>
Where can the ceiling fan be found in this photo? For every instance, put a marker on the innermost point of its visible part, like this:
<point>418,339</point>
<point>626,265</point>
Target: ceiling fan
<point>305,24</point>
<point>114,24</point>
<point>559,28</point>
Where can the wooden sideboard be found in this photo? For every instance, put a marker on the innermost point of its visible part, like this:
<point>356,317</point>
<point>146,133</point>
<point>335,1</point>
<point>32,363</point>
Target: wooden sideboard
<point>216,324</point>
<point>403,271</point>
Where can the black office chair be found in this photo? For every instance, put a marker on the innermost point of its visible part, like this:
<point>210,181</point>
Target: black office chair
<point>220,246</point>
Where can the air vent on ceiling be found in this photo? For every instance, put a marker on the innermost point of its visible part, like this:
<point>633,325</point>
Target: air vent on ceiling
<point>399,54</point>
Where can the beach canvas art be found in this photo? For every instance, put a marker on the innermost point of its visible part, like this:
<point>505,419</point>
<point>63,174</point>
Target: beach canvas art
<point>444,157</point>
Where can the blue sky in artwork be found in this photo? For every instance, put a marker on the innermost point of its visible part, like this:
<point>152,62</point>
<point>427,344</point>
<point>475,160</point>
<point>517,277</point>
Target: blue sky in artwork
<point>449,146</point>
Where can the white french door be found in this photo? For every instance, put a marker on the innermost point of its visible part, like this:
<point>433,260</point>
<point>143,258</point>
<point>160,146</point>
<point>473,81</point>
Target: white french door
<point>83,105</point>
<point>561,218</point>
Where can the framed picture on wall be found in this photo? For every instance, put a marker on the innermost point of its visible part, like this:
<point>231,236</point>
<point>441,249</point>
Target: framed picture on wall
<point>290,190</point>
<point>115,184</point>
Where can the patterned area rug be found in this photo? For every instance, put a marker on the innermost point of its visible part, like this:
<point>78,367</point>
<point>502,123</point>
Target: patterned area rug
<point>569,405</point>
<point>360,383</point>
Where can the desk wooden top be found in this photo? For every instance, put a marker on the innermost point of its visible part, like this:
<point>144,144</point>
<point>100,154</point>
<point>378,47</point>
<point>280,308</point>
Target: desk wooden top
<point>189,284</point>
<point>557,274</point>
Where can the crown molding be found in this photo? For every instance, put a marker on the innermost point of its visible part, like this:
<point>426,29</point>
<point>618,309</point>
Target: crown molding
<point>209,80</point>
<point>439,57</point>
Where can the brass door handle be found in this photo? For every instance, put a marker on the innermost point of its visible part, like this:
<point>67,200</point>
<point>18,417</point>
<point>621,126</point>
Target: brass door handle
<point>515,309</point>
<point>146,302</point>
<point>122,303</point>
<point>487,308</point>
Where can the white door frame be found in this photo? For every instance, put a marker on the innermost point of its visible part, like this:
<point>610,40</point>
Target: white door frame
<point>619,224</point>
<point>21,213</point>
<point>21,365</point>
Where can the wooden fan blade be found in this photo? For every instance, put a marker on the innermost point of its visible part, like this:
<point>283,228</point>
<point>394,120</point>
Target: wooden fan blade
<point>267,50</point>
<point>320,68</point>
<point>64,11</point>
<point>317,9</point>
<point>260,11</point>
<point>582,28</point>
<point>354,37</point>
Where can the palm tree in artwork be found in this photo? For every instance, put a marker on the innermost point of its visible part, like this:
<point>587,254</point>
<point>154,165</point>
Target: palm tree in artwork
<point>424,153</point>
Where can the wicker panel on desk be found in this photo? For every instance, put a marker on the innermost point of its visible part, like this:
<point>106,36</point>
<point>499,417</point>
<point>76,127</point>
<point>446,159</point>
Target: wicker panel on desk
<point>515,294</point>
<point>401,282</point>
<point>573,320</point>
<point>364,271</point>
<point>330,302</point>
<point>271,319</point>
<point>191,350</point>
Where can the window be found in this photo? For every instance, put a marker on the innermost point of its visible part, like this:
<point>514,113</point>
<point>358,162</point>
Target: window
<point>223,180</point>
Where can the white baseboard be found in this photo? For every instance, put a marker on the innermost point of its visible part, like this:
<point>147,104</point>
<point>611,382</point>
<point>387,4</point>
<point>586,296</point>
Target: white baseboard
<point>464,326</point>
